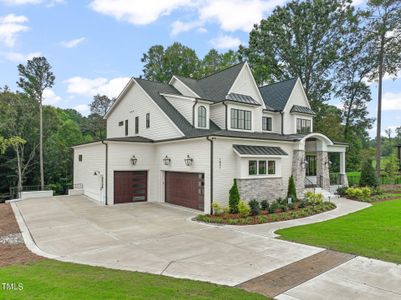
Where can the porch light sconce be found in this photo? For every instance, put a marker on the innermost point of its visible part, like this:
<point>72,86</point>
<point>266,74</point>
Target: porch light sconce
<point>304,163</point>
<point>188,161</point>
<point>167,160</point>
<point>134,160</point>
<point>328,163</point>
<point>96,173</point>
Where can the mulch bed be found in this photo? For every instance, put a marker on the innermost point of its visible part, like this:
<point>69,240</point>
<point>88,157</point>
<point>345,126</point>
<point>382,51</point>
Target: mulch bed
<point>12,253</point>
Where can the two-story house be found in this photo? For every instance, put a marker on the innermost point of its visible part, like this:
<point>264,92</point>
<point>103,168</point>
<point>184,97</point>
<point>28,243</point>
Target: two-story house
<point>184,142</point>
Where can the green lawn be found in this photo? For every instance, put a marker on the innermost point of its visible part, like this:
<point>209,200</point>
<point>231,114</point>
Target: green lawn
<point>373,232</point>
<point>49,279</point>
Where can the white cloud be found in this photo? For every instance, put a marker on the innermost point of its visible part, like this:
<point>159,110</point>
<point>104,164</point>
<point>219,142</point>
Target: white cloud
<point>138,12</point>
<point>72,43</point>
<point>50,97</point>
<point>10,26</point>
<point>231,15</point>
<point>19,57</point>
<point>392,101</point>
<point>90,87</point>
<point>225,42</point>
<point>82,108</point>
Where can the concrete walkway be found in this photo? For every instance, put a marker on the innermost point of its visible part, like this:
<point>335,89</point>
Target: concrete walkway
<point>161,239</point>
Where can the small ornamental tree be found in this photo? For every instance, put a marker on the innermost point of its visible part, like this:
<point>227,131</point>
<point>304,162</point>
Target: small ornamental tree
<point>234,198</point>
<point>368,176</point>
<point>292,191</point>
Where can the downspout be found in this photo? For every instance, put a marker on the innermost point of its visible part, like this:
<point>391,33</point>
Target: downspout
<point>106,172</point>
<point>211,173</point>
<point>226,114</point>
<point>282,122</point>
<point>193,112</point>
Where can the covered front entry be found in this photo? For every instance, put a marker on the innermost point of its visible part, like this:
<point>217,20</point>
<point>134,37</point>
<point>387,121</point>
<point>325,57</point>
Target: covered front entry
<point>185,189</point>
<point>130,186</point>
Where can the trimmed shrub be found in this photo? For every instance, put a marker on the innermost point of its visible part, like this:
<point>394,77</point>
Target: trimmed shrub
<point>217,208</point>
<point>359,193</point>
<point>342,191</point>
<point>234,198</point>
<point>273,206</point>
<point>368,176</point>
<point>243,209</point>
<point>255,207</point>
<point>264,205</point>
<point>314,199</point>
<point>292,191</point>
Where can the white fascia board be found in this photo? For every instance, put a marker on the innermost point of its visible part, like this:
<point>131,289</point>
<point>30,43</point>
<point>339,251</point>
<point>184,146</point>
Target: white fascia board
<point>119,97</point>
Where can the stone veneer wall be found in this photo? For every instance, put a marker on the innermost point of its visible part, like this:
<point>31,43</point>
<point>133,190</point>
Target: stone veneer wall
<point>322,168</point>
<point>261,189</point>
<point>298,171</point>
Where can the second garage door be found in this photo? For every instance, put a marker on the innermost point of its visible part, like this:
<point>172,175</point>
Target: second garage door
<point>130,186</point>
<point>185,189</point>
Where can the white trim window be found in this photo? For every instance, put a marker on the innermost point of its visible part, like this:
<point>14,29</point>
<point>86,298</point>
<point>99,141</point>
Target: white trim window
<point>241,119</point>
<point>304,126</point>
<point>261,167</point>
<point>202,116</point>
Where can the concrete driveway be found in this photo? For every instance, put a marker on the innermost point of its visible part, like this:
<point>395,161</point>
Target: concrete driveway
<point>162,239</point>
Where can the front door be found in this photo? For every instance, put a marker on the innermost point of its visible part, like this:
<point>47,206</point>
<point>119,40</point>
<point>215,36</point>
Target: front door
<point>311,165</point>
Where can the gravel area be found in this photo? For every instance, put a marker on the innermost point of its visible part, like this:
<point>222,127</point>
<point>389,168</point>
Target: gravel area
<point>12,247</point>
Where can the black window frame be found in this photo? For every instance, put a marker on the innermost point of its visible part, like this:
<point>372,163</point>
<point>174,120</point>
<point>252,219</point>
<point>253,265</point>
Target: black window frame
<point>80,157</point>
<point>267,123</point>
<point>304,125</point>
<point>136,125</point>
<point>121,123</point>
<point>268,165</point>
<point>148,120</point>
<point>126,128</point>
<point>241,119</point>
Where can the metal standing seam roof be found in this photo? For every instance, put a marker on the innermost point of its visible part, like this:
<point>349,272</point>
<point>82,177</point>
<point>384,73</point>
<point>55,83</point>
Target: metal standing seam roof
<point>302,110</point>
<point>242,98</point>
<point>276,95</point>
<point>259,150</point>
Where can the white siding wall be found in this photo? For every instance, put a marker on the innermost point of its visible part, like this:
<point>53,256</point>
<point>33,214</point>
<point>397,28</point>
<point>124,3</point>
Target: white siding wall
<point>297,98</point>
<point>183,105</point>
<point>227,165</point>
<point>120,154</point>
<point>218,115</point>
<point>137,103</point>
<point>244,84</point>
<point>93,159</point>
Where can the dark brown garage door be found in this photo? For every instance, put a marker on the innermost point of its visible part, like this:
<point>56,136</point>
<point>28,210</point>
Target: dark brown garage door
<point>185,189</point>
<point>130,186</point>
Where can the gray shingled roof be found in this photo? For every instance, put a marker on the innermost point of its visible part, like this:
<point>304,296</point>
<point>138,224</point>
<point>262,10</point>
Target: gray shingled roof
<point>302,110</point>
<point>155,89</point>
<point>214,87</point>
<point>137,139</point>
<point>277,94</point>
<point>259,150</point>
<point>241,98</point>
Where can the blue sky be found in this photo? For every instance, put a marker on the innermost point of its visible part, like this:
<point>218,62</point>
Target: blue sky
<point>95,46</point>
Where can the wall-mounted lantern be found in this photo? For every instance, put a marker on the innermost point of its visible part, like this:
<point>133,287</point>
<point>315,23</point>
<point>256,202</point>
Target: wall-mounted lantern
<point>328,163</point>
<point>304,163</point>
<point>134,160</point>
<point>167,160</point>
<point>188,161</point>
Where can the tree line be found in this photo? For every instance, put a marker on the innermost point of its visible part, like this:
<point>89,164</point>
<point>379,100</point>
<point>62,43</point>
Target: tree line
<point>334,48</point>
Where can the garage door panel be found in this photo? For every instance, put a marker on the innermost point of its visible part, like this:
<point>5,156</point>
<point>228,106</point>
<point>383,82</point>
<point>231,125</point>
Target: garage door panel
<point>130,186</point>
<point>185,189</point>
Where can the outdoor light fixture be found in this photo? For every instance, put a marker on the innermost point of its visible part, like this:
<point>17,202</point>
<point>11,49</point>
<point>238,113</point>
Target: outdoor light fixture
<point>189,160</point>
<point>95,173</point>
<point>328,162</point>
<point>134,160</point>
<point>304,163</point>
<point>167,160</point>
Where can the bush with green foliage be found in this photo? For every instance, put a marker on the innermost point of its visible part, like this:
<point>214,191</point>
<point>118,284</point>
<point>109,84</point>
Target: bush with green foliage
<point>217,208</point>
<point>359,193</point>
<point>368,175</point>
<point>243,209</point>
<point>314,198</point>
<point>234,198</point>
<point>255,207</point>
<point>392,167</point>
<point>292,191</point>
<point>341,191</point>
<point>264,204</point>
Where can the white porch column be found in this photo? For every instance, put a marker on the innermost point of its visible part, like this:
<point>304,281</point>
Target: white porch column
<point>343,173</point>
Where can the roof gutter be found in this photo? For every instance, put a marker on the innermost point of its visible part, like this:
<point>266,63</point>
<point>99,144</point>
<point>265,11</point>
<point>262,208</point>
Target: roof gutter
<point>210,139</point>
<point>193,112</point>
<point>106,171</point>
<point>226,115</point>
<point>282,122</point>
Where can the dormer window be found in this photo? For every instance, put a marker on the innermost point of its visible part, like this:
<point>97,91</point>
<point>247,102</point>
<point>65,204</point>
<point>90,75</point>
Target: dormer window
<point>241,119</point>
<point>202,117</point>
